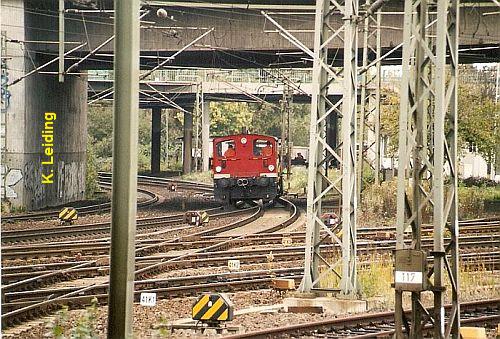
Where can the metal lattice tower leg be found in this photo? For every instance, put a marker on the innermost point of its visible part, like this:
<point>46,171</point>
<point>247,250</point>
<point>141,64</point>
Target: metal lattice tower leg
<point>427,171</point>
<point>197,118</point>
<point>369,109</point>
<point>286,153</point>
<point>320,153</point>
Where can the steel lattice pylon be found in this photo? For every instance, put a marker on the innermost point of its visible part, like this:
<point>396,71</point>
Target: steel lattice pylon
<point>369,109</point>
<point>321,154</point>
<point>427,165</point>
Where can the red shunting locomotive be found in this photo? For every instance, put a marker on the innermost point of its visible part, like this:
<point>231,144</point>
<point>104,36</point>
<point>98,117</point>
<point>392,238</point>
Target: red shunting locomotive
<point>245,167</point>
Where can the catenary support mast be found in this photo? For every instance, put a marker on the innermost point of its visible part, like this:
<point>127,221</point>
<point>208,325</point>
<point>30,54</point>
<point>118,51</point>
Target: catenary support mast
<point>369,109</point>
<point>427,167</point>
<point>321,154</point>
<point>124,192</point>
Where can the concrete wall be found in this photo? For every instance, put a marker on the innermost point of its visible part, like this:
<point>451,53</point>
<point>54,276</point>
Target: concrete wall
<point>30,99</point>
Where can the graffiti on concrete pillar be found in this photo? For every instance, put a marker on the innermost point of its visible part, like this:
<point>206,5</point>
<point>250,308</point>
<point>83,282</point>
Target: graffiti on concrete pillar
<point>5,93</point>
<point>10,177</point>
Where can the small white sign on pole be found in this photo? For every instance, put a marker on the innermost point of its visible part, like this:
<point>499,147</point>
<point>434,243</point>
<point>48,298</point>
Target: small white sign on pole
<point>148,299</point>
<point>403,277</point>
<point>233,265</point>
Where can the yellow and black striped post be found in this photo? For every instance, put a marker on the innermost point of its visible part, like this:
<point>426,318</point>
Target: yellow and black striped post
<point>205,218</point>
<point>213,308</point>
<point>68,214</point>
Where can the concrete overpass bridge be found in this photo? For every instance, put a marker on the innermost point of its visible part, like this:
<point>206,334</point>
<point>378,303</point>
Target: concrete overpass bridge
<point>178,87</point>
<point>241,38</point>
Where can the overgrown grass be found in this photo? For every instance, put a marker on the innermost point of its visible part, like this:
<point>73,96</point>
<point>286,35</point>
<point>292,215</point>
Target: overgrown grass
<point>378,204</point>
<point>85,327</point>
<point>204,177</point>
<point>375,281</point>
<point>471,200</point>
<point>477,280</point>
<point>297,182</point>
<point>6,207</point>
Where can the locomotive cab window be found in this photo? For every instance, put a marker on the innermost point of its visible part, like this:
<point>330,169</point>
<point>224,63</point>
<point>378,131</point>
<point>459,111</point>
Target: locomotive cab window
<point>262,148</point>
<point>226,149</point>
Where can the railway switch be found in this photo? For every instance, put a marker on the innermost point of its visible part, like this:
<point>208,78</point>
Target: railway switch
<point>68,215</point>
<point>196,218</point>
<point>213,308</point>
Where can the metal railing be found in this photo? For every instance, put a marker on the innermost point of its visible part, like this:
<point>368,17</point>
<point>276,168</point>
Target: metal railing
<point>214,75</point>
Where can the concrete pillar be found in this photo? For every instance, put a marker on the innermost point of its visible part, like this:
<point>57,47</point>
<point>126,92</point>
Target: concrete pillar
<point>187,141</point>
<point>155,139</point>
<point>48,148</point>
<point>205,135</point>
<point>45,128</point>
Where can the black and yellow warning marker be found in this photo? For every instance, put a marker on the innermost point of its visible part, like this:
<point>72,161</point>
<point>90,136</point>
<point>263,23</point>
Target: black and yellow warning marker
<point>213,308</point>
<point>196,218</point>
<point>68,214</point>
<point>204,217</point>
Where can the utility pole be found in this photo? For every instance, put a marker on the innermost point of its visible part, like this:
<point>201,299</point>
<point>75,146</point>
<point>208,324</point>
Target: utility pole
<point>124,190</point>
<point>427,168</point>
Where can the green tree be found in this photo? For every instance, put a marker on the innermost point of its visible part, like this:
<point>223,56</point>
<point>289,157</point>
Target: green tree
<point>478,121</point>
<point>91,185</point>
<point>100,130</point>
<point>389,121</point>
<point>229,117</point>
<point>100,134</point>
<point>267,120</point>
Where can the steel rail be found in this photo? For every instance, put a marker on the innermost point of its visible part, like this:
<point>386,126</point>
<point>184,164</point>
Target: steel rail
<point>358,321</point>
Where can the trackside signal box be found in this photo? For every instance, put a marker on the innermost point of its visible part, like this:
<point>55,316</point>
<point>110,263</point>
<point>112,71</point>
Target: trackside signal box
<point>410,272</point>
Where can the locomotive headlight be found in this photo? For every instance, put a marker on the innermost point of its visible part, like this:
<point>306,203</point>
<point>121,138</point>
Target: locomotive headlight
<point>271,167</point>
<point>243,140</point>
<point>218,169</point>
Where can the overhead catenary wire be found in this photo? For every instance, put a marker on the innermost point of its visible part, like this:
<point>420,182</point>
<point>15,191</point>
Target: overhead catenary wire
<point>45,65</point>
<point>172,57</point>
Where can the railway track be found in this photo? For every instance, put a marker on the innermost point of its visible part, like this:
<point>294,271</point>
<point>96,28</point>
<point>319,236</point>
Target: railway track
<point>144,225</point>
<point>105,182</point>
<point>475,249</point>
<point>374,325</point>
<point>24,309</point>
<point>209,260</point>
<point>203,258</point>
<point>26,299</point>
